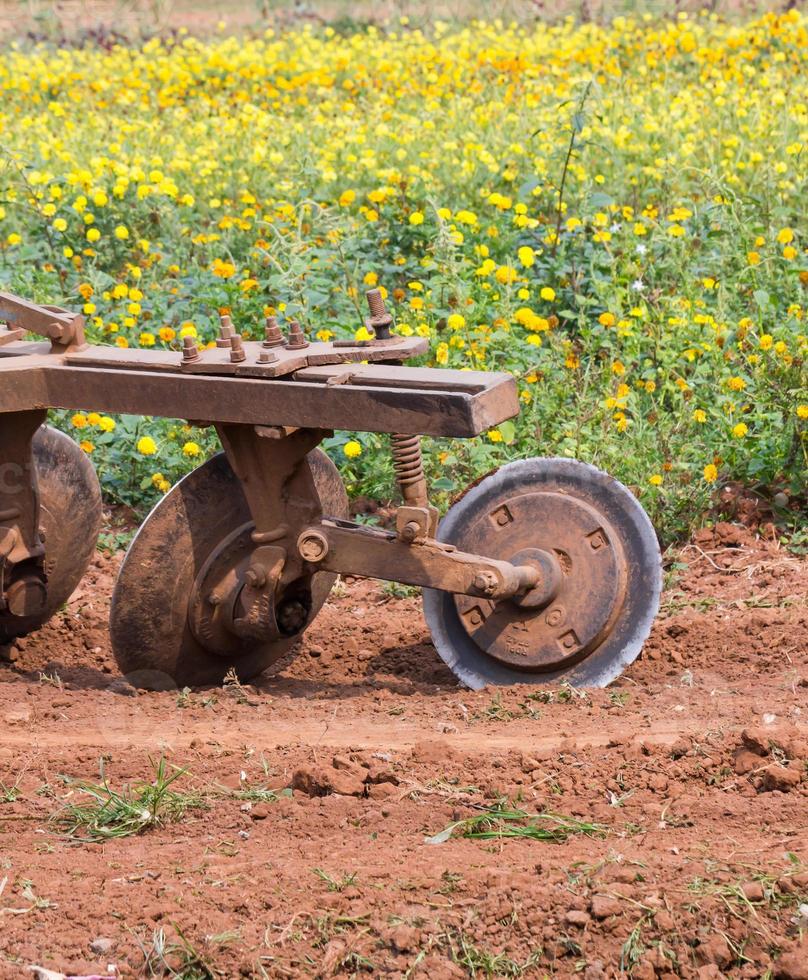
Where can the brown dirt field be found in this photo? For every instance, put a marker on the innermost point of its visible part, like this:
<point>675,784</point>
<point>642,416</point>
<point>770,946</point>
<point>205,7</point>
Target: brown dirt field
<point>695,765</point>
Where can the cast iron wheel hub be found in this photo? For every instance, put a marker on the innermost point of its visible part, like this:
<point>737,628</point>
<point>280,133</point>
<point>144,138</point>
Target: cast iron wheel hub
<point>600,581</point>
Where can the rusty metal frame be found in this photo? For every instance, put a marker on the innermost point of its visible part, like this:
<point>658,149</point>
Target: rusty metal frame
<point>270,402</point>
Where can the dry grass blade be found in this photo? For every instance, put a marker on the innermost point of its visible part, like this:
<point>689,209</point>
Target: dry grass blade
<point>501,820</point>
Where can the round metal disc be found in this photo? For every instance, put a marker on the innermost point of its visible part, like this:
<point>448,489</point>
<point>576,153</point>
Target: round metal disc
<point>599,613</point>
<point>205,515</point>
<point>69,520</point>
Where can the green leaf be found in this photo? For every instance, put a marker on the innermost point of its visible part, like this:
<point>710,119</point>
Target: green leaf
<point>508,431</point>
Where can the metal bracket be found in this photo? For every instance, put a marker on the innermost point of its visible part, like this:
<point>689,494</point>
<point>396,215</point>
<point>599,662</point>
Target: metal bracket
<point>64,329</point>
<point>353,549</point>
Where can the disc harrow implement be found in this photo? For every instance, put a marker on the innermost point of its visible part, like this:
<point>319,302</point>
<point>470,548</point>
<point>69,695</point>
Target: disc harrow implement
<point>545,571</point>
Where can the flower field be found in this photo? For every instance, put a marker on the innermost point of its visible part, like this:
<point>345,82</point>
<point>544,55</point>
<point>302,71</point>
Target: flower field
<point>614,214</point>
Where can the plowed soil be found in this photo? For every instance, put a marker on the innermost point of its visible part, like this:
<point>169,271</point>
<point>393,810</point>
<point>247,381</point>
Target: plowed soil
<point>311,797</point>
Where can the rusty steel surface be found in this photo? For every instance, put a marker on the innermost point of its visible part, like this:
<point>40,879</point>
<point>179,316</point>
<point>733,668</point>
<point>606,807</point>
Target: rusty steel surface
<point>180,589</point>
<point>587,626</point>
<point>545,570</point>
<point>65,496</point>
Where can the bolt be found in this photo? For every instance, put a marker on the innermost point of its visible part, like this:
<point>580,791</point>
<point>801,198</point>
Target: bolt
<point>297,339</point>
<point>485,582</point>
<point>312,546</point>
<point>237,352</point>
<point>410,532</point>
<point>380,319</point>
<point>273,337</point>
<point>376,302</point>
<point>256,576</point>
<point>190,352</point>
<point>267,357</point>
<point>226,331</point>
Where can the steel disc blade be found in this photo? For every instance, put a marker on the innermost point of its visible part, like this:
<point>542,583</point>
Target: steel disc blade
<point>611,578</point>
<point>69,518</point>
<point>151,636</point>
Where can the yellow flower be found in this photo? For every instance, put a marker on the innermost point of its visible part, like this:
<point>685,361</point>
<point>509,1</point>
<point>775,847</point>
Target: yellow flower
<point>146,446</point>
<point>766,341</point>
<point>740,430</point>
<point>753,258</point>
<point>191,449</point>
<point>785,236</point>
<point>416,218</point>
<point>371,279</point>
<point>93,235</point>
<point>146,340</point>
<point>789,252</point>
<point>167,334</point>
<point>802,411</point>
<point>352,449</point>
<point>736,384</point>
<point>14,238</point>
<point>87,446</point>
<point>79,420</point>
<point>699,415</point>
<point>121,233</point>
<point>526,256</point>
<point>547,293</point>
<point>710,473</point>
<point>60,224</point>
<point>607,319</point>
<point>505,274</point>
<point>106,424</point>
<point>442,353</point>
<point>655,480</point>
<point>346,198</point>
<point>455,321</point>
<point>494,435</point>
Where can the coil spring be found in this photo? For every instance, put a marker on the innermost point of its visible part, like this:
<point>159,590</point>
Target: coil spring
<point>407,461</point>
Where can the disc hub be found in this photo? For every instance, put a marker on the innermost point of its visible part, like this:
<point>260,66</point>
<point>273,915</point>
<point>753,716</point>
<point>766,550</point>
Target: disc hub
<point>580,589</point>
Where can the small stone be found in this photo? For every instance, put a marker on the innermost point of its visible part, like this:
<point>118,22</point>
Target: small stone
<point>101,946</point>
<point>756,740</point>
<point>708,972</point>
<point>604,906</point>
<point>322,781</point>
<point>405,939</point>
<point>381,774</point>
<point>714,951</point>
<point>381,791</point>
<point>780,778</point>
<point>744,761</point>
<point>432,753</point>
<point>753,891</point>
<point>577,917</point>
<point>344,764</point>
<point>792,965</point>
<point>260,811</point>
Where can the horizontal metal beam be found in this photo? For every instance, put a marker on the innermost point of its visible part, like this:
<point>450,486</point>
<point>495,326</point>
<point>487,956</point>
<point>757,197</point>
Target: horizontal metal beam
<point>42,381</point>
